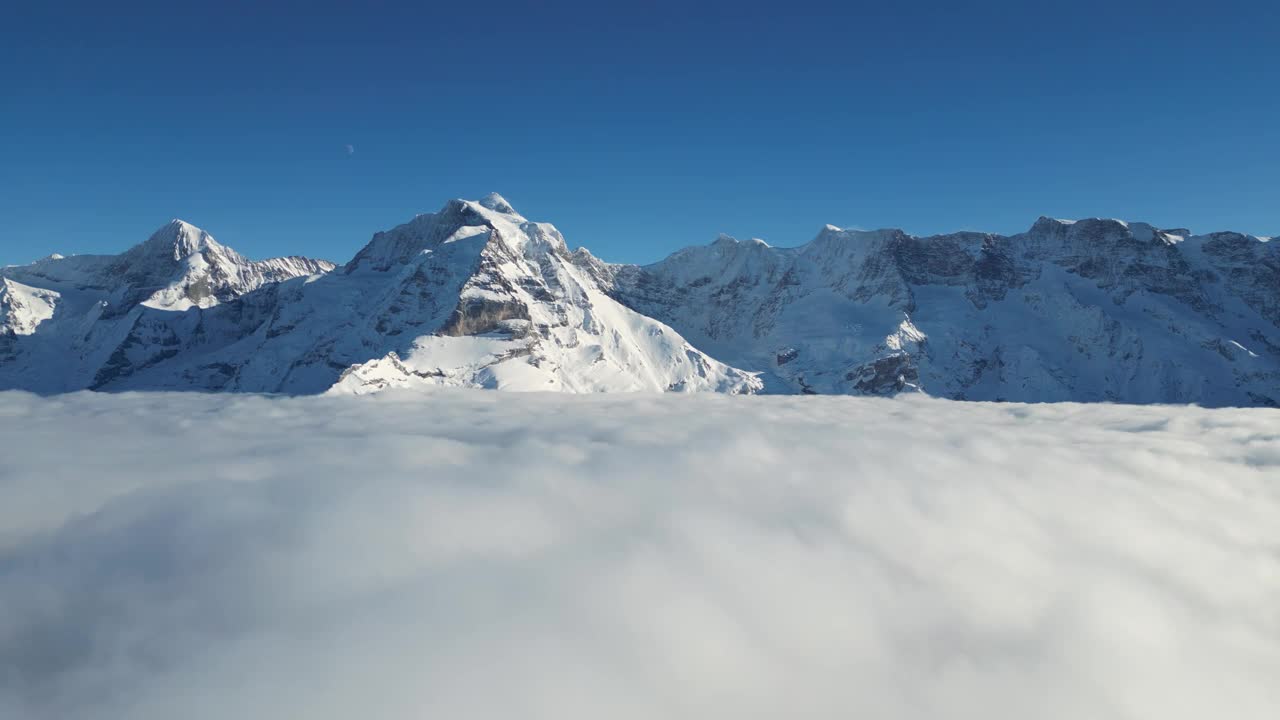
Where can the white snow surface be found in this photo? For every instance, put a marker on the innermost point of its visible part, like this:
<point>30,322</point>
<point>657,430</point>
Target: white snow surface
<point>477,295</point>
<point>23,308</point>
<point>474,295</point>
<point>1088,310</point>
<point>523,316</point>
<point>486,555</point>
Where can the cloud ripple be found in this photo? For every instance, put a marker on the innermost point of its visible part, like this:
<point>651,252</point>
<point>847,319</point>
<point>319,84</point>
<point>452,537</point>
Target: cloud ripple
<point>486,555</point>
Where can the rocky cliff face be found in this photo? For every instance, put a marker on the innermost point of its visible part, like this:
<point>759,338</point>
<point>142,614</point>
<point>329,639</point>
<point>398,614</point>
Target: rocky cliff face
<point>1090,310</point>
<point>88,321</point>
<point>476,295</point>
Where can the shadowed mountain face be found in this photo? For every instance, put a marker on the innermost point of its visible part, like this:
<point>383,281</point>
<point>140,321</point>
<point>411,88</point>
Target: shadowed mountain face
<point>1095,310</point>
<point>476,295</point>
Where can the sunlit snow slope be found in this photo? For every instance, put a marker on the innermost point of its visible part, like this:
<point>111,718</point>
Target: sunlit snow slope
<point>473,295</point>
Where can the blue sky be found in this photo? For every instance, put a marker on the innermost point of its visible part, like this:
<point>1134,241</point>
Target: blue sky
<point>636,130</point>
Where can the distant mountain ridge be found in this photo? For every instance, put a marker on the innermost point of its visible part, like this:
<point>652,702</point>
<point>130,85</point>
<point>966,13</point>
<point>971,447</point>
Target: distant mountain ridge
<point>1094,310</point>
<point>476,295</point>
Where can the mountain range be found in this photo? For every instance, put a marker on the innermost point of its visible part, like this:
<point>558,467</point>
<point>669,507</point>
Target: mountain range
<point>475,295</point>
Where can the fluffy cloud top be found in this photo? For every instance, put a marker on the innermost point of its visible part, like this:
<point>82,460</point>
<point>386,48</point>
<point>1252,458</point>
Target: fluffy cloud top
<point>485,555</point>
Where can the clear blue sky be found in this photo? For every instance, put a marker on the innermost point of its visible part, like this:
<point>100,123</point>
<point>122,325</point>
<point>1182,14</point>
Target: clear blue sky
<point>636,130</point>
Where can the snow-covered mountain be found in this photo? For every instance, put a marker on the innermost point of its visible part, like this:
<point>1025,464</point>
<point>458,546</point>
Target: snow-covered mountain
<point>85,321</point>
<point>476,295</point>
<point>473,295</point>
<point>1095,310</point>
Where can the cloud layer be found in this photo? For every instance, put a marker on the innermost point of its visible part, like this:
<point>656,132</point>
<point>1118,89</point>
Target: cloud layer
<point>486,555</point>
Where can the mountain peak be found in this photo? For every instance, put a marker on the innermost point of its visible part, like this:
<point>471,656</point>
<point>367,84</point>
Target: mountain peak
<point>178,227</point>
<point>724,240</point>
<point>495,202</point>
<point>176,239</point>
<point>476,295</point>
<point>1049,225</point>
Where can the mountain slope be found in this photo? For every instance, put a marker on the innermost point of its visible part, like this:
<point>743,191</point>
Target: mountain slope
<point>1091,310</point>
<point>68,323</point>
<point>474,295</point>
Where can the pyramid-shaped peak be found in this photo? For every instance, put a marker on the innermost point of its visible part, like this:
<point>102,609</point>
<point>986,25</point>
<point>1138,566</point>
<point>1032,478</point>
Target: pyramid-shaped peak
<point>177,237</point>
<point>177,228</point>
<point>495,202</point>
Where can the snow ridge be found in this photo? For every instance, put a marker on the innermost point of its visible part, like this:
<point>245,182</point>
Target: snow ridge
<point>473,295</point>
<point>477,295</point>
<point>1088,310</point>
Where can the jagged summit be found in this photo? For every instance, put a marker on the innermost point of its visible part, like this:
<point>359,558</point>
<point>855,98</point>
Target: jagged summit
<point>1044,226</point>
<point>175,240</point>
<point>497,203</point>
<point>731,246</point>
<point>468,221</point>
<point>181,266</point>
<point>1045,219</point>
<point>73,310</point>
<point>831,232</point>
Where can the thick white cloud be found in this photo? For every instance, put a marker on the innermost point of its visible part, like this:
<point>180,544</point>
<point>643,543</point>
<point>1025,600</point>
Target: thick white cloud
<point>485,555</point>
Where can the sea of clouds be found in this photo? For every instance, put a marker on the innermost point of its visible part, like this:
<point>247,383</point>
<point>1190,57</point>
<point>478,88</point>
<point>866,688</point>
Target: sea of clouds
<point>486,555</point>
